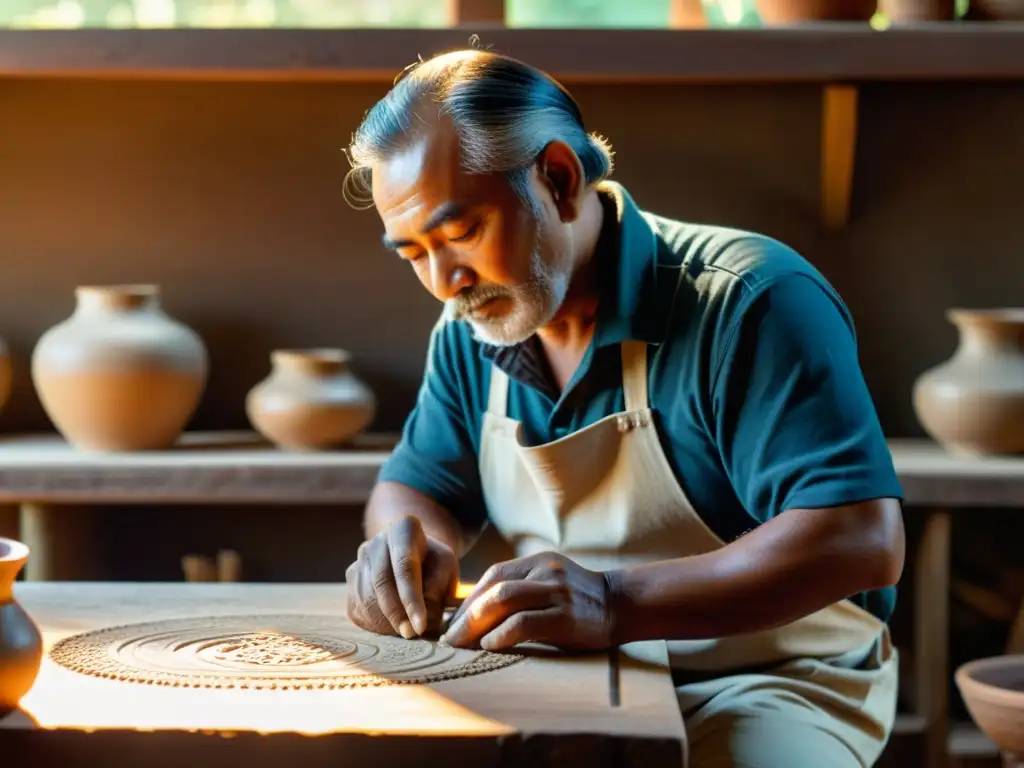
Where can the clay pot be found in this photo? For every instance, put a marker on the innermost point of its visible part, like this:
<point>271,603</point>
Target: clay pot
<point>974,402</point>
<point>913,11</point>
<point>786,12</point>
<point>21,645</point>
<point>993,690</point>
<point>119,374</point>
<point>6,374</point>
<point>310,401</point>
<point>995,10</point>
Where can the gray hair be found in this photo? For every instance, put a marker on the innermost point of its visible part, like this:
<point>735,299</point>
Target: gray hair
<point>504,111</point>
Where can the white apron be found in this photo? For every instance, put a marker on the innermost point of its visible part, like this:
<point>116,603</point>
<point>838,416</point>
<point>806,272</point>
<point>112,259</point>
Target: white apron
<point>607,497</point>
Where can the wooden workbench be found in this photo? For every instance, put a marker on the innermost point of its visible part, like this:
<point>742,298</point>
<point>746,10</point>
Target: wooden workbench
<point>43,476</point>
<point>594,710</point>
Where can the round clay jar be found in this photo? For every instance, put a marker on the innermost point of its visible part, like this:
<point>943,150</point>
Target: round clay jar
<point>120,374</point>
<point>310,401</point>
<point>974,402</point>
<point>21,644</point>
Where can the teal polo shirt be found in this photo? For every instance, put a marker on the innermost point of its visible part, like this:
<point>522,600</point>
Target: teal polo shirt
<point>758,396</point>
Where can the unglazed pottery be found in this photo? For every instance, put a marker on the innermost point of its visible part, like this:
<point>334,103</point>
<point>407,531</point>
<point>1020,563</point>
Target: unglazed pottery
<point>788,12</point>
<point>21,645</point>
<point>974,402</point>
<point>119,374</point>
<point>914,11</point>
<point>310,401</point>
<point>993,690</point>
<point>6,375</point>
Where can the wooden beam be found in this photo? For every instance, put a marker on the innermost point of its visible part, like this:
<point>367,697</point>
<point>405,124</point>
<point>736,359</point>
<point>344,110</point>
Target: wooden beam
<point>838,153</point>
<point>463,12</point>
<point>931,634</point>
<point>822,54</point>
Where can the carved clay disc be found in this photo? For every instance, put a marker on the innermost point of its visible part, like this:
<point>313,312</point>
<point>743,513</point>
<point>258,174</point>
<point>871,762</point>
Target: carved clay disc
<point>274,652</point>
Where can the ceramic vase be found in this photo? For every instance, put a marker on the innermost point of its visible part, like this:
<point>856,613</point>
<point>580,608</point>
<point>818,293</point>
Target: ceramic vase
<point>993,690</point>
<point>974,402</point>
<point>6,374</point>
<point>914,11</point>
<point>775,13</point>
<point>995,10</point>
<point>21,645</point>
<point>310,401</point>
<point>119,374</point>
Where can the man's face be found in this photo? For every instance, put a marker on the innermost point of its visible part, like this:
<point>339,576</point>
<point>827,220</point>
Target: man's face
<point>471,241</point>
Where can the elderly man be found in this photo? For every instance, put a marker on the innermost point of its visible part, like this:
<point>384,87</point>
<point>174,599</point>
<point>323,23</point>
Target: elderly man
<point>665,420</point>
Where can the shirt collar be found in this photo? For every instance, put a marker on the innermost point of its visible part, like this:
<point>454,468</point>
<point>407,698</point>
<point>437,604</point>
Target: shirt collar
<point>630,307</point>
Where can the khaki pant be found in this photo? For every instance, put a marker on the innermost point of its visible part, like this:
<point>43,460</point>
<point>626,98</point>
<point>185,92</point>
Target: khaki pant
<point>808,713</point>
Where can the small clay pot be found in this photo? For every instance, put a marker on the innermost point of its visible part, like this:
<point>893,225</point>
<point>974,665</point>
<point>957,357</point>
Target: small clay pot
<point>775,13</point>
<point>310,401</point>
<point>995,10</point>
<point>6,374</point>
<point>21,644</point>
<point>974,402</point>
<point>913,11</point>
<point>119,374</point>
<point>993,690</point>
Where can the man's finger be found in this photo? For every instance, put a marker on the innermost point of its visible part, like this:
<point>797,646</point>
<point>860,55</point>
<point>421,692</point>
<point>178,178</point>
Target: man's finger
<point>407,545</point>
<point>440,582</point>
<point>510,570</point>
<point>526,627</point>
<point>496,605</point>
<point>366,612</point>
<point>385,590</point>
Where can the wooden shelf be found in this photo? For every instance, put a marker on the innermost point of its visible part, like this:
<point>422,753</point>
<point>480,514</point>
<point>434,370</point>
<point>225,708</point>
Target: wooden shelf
<point>822,53</point>
<point>218,467</point>
<point>933,477</point>
<point>965,740</point>
<point>239,467</point>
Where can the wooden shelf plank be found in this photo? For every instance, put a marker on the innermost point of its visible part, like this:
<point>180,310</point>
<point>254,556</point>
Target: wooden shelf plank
<point>933,477</point>
<point>965,740</point>
<point>217,467</point>
<point>239,467</point>
<point>816,53</point>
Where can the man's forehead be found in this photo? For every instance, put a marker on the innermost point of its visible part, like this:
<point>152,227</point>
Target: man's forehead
<point>428,165</point>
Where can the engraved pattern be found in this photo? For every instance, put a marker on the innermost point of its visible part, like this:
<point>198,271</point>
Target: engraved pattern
<point>274,652</point>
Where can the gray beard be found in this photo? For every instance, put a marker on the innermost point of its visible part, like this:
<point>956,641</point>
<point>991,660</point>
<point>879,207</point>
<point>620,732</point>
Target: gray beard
<point>534,303</point>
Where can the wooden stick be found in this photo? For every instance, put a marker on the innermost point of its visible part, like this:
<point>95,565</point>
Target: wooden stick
<point>229,566</point>
<point>198,568</point>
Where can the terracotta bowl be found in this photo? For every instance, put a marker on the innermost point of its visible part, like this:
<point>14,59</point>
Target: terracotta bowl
<point>993,690</point>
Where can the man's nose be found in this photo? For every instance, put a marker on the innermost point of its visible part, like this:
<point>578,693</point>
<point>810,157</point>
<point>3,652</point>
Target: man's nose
<point>448,276</point>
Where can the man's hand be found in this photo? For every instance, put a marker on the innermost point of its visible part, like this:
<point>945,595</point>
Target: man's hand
<point>545,598</point>
<point>400,579</point>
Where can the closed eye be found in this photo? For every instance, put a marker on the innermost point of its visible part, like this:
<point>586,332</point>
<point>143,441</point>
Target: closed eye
<point>466,235</point>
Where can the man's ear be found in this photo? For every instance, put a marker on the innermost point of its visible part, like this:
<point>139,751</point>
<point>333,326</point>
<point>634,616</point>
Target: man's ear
<point>561,173</point>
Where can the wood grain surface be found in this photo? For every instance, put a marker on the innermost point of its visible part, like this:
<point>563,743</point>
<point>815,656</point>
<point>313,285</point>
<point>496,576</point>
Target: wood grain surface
<point>547,705</point>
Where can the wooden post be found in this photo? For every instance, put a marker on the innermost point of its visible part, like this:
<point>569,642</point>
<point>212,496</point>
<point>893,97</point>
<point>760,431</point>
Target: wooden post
<point>60,541</point>
<point>931,634</point>
<point>838,153</point>
<point>462,12</point>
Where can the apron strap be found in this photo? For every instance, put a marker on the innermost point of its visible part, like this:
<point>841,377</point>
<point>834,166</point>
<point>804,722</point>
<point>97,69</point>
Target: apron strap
<point>634,375</point>
<point>497,398</point>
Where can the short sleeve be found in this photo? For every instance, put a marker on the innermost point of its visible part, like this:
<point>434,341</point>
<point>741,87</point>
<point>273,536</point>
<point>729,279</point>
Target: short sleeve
<point>794,420</point>
<point>435,454</point>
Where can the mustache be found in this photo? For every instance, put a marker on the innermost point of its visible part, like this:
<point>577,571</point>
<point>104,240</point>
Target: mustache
<point>472,298</point>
